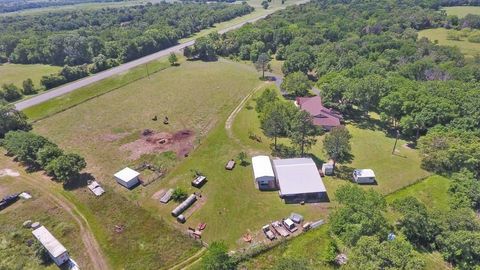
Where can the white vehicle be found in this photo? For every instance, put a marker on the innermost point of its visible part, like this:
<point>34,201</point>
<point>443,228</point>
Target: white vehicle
<point>290,225</point>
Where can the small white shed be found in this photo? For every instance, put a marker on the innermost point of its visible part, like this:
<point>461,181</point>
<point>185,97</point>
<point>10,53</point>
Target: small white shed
<point>364,176</point>
<point>57,251</point>
<point>263,173</point>
<point>327,168</point>
<point>127,177</point>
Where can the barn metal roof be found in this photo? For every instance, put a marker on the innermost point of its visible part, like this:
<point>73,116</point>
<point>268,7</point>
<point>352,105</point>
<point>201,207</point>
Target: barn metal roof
<point>298,176</point>
<point>50,243</point>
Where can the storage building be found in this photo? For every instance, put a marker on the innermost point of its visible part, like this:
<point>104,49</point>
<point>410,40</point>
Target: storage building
<point>57,251</point>
<point>299,180</point>
<point>263,173</point>
<point>127,177</point>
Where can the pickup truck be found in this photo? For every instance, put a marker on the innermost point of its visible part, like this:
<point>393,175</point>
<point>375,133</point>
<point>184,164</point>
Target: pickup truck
<point>268,233</point>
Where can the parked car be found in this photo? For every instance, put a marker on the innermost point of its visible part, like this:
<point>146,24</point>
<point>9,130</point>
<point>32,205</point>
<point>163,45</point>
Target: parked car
<point>290,225</point>
<point>268,233</point>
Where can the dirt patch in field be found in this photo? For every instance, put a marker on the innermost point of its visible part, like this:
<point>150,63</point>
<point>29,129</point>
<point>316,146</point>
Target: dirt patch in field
<point>9,172</point>
<point>180,142</point>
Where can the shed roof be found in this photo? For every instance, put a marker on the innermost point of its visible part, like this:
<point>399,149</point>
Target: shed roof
<point>364,173</point>
<point>50,243</point>
<point>262,166</point>
<point>127,174</point>
<point>298,176</point>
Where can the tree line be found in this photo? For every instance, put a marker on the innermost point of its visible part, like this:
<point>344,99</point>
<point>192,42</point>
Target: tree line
<point>16,5</point>
<point>34,151</point>
<point>113,34</point>
<point>373,63</point>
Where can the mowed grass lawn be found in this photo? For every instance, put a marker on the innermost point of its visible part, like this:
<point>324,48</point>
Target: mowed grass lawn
<point>370,149</point>
<point>17,73</point>
<point>469,49</point>
<point>195,95</point>
<point>462,11</point>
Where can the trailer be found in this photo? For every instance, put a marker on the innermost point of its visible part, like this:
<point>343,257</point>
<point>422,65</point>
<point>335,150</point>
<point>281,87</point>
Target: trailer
<point>167,196</point>
<point>57,251</point>
<point>199,181</point>
<point>277,226</point>
<point>8,200</point>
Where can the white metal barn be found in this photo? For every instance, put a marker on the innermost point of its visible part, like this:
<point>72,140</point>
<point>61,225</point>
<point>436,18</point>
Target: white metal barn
<point>263,173</point>
<point>364,176</point>
<point>299,180</point>
<point>56,250</point>
<point>127,177</point>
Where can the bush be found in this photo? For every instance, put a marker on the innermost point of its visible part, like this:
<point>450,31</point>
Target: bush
<point>475,38</point>
<point>179,194</point>
<point>53,80</point>
<point>10,92</point>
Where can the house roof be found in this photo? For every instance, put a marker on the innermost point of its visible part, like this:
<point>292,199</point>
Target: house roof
<point>50,243</point>
<point>322,116</point>
<point>364,173</point>
<point>262,166</point>
<point>298,176</point>
<point>127,174</point>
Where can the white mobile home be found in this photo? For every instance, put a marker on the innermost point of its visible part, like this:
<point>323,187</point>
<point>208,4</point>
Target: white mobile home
<point>56,250</point>
<point>263,173</point>
<point>364,176</point>
<point>127,177</point>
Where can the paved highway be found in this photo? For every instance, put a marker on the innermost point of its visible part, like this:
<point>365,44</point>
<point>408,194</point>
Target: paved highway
<point>67,88</point>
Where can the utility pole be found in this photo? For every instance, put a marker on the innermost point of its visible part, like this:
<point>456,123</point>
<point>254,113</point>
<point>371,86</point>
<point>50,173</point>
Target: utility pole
<point>148,74</point>
<point>396,140</point>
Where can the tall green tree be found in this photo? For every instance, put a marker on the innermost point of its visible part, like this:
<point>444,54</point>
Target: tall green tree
<point>275,121</point>
<point>360,213</point>
<point>28,87</point>
<point>337,144</point>
<point>172,58</point>
<point>296,84</point>
<point>25,146</point>
<point>11,119</point>
<point>66,168</point>
<point>262,63</point>
<point>303,132</point>
<point>10,92</point>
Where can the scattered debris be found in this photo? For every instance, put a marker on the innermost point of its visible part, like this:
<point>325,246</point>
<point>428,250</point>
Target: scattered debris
<point>96,188</point>
<point>167,196</point>
<point>35,225</point>
<point>230,165</point>
<point>199,181</point>
<point>290,225</point>
<point>247,238</point>
<point>165,120</point>
<point>119,228</point>
<point>317,224</point>
<point>202,226</point>
<point>25,195</point>
<point>277,226</point>
<point>9,172</point>
<point>341,259</point>
<point>27,224</point>
<point>154,118</point>
<point>150,142</point>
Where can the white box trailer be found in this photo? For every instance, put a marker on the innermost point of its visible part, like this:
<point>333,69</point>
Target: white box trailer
<point>364,176</point>
<point>57,251</point>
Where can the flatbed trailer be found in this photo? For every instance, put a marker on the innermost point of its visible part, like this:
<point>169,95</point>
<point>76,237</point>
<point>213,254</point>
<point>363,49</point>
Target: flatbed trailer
<point>277,226</point>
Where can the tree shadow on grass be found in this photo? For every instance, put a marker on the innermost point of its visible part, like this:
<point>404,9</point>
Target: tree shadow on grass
<point>364,121</point>
<point>344,172</point>
<point>79,182</point>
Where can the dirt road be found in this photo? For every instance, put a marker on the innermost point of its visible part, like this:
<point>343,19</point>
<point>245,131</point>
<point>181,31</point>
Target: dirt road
<point>47,189</point>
